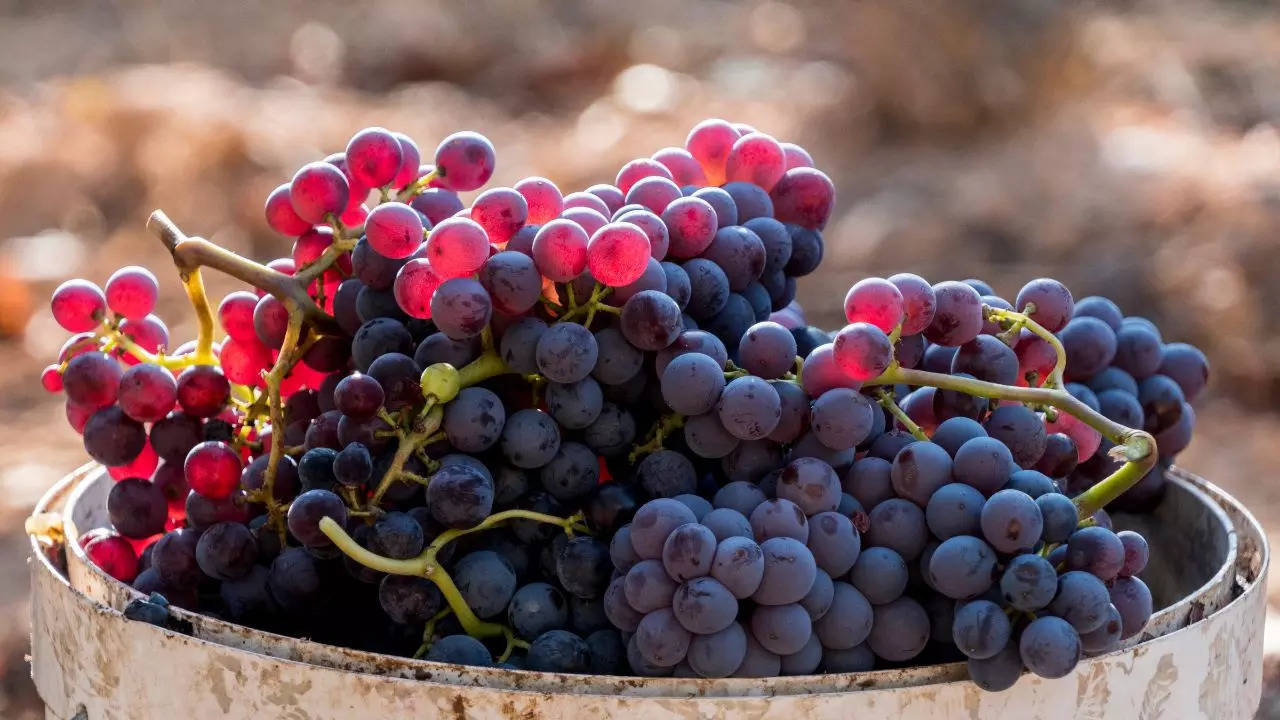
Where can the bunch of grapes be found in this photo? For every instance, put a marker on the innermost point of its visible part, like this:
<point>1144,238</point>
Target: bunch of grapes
<point>593,432</point>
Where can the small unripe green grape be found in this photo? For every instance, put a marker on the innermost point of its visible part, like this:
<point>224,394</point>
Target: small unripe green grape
<point>441,381</point>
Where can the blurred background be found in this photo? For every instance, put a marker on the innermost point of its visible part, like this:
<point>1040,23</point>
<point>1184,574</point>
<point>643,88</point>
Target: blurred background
<point>1129,149</point>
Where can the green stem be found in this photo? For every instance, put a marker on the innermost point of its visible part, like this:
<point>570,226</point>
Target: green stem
<point>661,429</point>
<point>1060,365</point>
<point>885,398</point>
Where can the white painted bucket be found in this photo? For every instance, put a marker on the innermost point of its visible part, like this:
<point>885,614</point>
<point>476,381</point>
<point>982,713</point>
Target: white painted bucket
<point>1200,657</point>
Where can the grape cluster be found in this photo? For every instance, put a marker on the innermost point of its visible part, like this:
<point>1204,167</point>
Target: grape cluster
<point>593,431</point>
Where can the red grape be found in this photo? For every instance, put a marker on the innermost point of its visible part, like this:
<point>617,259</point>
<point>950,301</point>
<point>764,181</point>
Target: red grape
<point>410,156</point>
<point>78,305</point>
<point>310,245</point>
<point>638,169</point>
<point>235,314</point>
<point>542,197</point>
<point>114,555</point>
<point>203,390</point>
<point>374,157</point>
<point>501,212</point>
<point>464,161</point>
<point>78,415</point>
<point>820,372</point>
<point>212,469</point>
<point>862,351</point>
<point>653,227</point>
<point>282,265</point>
<point>415,283</point>
<point>1054,305</point>
<point>655,193</point>
<point>280,213</point>
<point>77,344</point>
<point>692,224</point>
<point>560,250</point>
<point>1035,355</point>
<point>586,218</point>
<point>270,321</point>
<point>796,156</point>
<point>612,197</point>
<point>957,315</point>
<point>131,292</point>
<point>617,254</point>
<point>876,301</point>
<point>1086,438</point>
<point>684,168</point>
<point>755,158</point>
<point>317,190</point>
<point>437,204</point>
<point>92,380</point>
<point>803,196</point>
<point>918,302</point>
<point>585,200</point>
<point>51,379</point>
<point>141,466</point>
<point>709,143</point>
<point>244,360</point>
<point>147,392</point>
<point>394,230</point>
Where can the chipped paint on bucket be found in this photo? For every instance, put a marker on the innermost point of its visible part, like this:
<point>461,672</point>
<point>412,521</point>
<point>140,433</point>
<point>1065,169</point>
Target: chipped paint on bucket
<point>1200,657</point>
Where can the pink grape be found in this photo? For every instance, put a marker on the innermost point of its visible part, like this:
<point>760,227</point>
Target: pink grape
<point>653,278</point>
<point>374,157</point>
<point>612,197</point>
<point>213,470</point>
<point>1053,301</point>
<point>457,247</point>
<point>684,168</point>
<point>51,379</point>
<point>394,230</point>
<point>410,156</point>
<point>317,190</point>
<point>78,415</point>
<point>918,302</point>
<point>354,216</point>
<point>78,305</point>
<point>709,142</point>
<point>437,204</point>
<point>586,218</point>
<point>803,196</point>
<point>464,161</point>
<point>270,321</point>
<point>1035,355</point>
<point>755,158</point>
<point>131,292</point>
<point>141,466</point>
<point>543,198</point>
<point>862,351</point>
<point>586,200</point>
<point>281,216</point>
<point>653,227</point>
<point>692,224</point>
<point>310,245</point>
<point>637,170</point>
<point>77,344</point>
<point>149,333</point>
<point>203,390</point>
<point>1087,439</point>
<point>820,372</point>
<point>876,301</point>
<point>957,315</point>
<point>655,193</point>
<point>796,156</point>
<point>243,360</point>
<point>147,392</point>
<point>415,283</point>
<point>92,380</point>
<point>235,314</point>
<point>617,254</point>
<point>501,212</point>
<point>560,250</point>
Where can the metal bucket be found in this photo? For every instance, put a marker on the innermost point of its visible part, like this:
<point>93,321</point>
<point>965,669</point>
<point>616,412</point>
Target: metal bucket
<point>1201,655</point>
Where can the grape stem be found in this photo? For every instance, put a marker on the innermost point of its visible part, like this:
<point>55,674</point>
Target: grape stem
<point>885,398</point>
<point>1016,321</point>
<point>426,564</point>
<point>657,434</point>
<point>284,362</point>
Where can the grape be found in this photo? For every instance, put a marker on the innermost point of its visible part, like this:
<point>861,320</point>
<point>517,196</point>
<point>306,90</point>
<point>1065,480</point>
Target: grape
<point>202,512</point>
<point>358,396</point>
<point>803,196</point>
<point>869,481</point>
<point>900,526</point>
<point>147,392</point>
<point>530,439</point>
<point>1100,308</point>
<point>875,301</point>
<point>474,420</point>
<point>653,522</point>
<point>1139,350</point>
<point>666,473</point>
<point>461,308</point>
<point>779,518</point>
<point>917,302</point>
<point>638,169</point>
<point>1136,553</point>
<point>1053,303</point>
<point>174,557</point>
<point>789,568</point>
<point>317,190</point>
<point>954,509</point>
<point>660,638</point>
<point>226,551</point>
<point>397,535</point>
<point>848,621</point>
<point>137,508</point>
<point>394,230</point>
<point>345,306</point>
<point>437,204</point>
<point>559,651</point>
<point>704,606</point>
<point>1059,515</point>
<point>398,375</point>
<point>590,201</point>
<point>409,600</point>
<point>1029,582</point>
<point>612,432</point>
<point>718,654</point>
<point>519,344</point>
<point>294,579</point>
<point>1175,439</point>
<point>811,484</point>
<point>879,574</point>
<point>654,193</point>
<point>572,473</point>
<point>709,288</point>
<point>755,158</point>
<point>617,254</point>
<point>542,199</point>
<point>998,672</point>
<point>984,463</point>
<point>566,353</point>
<point>739,252</point>
<point>131,292</point>
<point>957,317</point>
<point>919,470</point>
<point>726,522</point>
<point>709,143</point>
<point>862,351</point>
<point>486,582</point>
<point>1031,482</point>
<point>806,251</point>
<point>460,650</point>
<point>1162,400</point>
<point>459,496</point>
<point>748,407</point>
<point>1090,345</point>
<point>698,504</point>
<point>374,157</point>
<point>270,320</point>
<point>1187,365</point>
<point>280,214</point>
<point>574,405</point>
<point>1049,647</point>
<point>618,609</point>
<point>617,360</point>
<point>1132,600</point>
<point>1096,550</point>
<point>92,380</point>
<point>1106,638</point>
<point>501,212</point>
<point>583,567</point>
<point>1011,521</point>
<point>834,542</point>
<point>688,551</point>
<point>203,390</point>
<point>464,161</point>
<point>1081,600</point>
<point>980,629</point>
<point>767,350</point>
<point>305,513</point>
<point>650,320</point>
<point>752,201</point>
<point>512,281</point>
<point>781,629</point>
<point>961,567</point>
<point>213,469</point>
